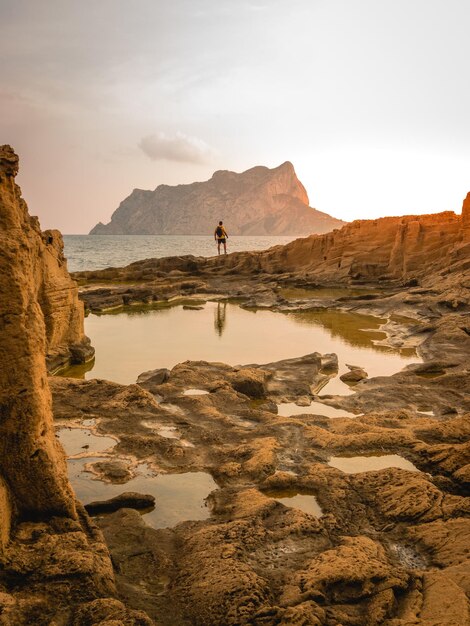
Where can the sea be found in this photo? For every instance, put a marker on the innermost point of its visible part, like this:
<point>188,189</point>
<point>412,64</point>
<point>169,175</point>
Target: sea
<point>94,252</point>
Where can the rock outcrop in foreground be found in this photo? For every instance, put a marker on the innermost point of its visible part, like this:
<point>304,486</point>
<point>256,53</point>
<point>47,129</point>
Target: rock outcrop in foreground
<point>39,256</point>
<point>34,479</point>
<point>260,201</point>
<point>54,565</point>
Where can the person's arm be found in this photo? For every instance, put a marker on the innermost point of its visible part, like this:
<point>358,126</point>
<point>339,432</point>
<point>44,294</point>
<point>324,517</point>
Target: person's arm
<point>225,233</point>
<point>215,234</point>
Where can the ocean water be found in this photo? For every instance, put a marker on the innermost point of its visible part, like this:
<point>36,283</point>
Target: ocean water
<point>93,252</point>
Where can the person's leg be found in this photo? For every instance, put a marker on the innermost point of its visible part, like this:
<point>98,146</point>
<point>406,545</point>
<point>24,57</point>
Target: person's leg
<point>225,247</point>
<point>218,247</point>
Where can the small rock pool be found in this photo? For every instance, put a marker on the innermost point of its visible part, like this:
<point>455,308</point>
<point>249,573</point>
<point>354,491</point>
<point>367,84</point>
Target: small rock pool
<point>369,463</point>
<point>291,498</point>
<point>179,497</point>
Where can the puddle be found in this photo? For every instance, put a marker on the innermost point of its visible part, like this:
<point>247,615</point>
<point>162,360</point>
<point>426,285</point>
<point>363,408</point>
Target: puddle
<point>82,441</point>
<point>195,392</point>
<point>306,503</point>
<point>169,432</point>
<point>224,332</point>
<point>179,497</point>
<point>357,464</point>
<point>288,409</point>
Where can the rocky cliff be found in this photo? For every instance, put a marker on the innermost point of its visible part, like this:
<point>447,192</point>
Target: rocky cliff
<point>54,565</point>
<point>32,467</point>
<point>55,291</point>
<point>410,248</point>
<point>260,201</point>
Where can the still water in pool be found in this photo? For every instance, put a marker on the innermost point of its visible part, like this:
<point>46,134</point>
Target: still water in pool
<point>131,342</point>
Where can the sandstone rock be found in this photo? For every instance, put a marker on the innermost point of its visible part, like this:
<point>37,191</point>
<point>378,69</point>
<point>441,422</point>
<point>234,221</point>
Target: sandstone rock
<point>259,201</point>
<point>466,216</point>
<point>42,252</point>
<point>154,377</point>
<point>113,471</point>
<point>109,612</point>
<point>32,463</point>
<point>351,571</point>
<point>52,558</point>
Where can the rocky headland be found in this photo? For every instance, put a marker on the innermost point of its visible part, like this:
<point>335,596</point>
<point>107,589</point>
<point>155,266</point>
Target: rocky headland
<point>260,201</point>
<point>356,519</point>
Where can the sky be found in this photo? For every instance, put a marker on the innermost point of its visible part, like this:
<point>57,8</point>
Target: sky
<point>369,99</point>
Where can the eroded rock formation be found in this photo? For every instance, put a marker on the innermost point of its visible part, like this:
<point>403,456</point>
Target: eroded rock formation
<point>53,561</point>
<point>41,256</point>
<point>260,201</point>
<point>32,464</point>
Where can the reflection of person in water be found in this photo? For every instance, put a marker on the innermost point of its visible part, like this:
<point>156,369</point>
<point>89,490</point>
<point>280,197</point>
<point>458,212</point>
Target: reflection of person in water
<point>219,318</point>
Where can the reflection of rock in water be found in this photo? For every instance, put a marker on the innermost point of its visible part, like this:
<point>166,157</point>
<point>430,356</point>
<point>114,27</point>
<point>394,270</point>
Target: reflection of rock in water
<point>220,319</point>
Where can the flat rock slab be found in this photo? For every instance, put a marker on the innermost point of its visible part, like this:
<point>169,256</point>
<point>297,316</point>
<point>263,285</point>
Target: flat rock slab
<point>126,500</point>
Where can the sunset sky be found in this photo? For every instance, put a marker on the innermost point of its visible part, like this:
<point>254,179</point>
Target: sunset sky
<point>369,99</point>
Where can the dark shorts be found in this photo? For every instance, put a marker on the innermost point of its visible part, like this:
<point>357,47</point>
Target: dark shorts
<point>222,240</point>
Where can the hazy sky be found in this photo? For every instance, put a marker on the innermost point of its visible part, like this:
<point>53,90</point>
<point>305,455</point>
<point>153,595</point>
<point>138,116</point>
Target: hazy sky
<point>369,99</point>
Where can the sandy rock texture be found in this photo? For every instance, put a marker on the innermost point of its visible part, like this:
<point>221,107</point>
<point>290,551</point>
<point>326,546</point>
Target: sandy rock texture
<point>53,560</point>
<point>260,201</point>
<point>40,254</point>
<point>31,461</point>
<point>387,546</point>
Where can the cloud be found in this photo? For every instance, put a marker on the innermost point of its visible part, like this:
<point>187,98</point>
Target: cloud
<point>178,147</point>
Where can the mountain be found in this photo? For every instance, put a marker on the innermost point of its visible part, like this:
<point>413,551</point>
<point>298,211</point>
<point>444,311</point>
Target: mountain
<point>260,201</point>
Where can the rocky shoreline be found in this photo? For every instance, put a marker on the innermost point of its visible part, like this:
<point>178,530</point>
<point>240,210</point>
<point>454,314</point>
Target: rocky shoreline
<point>257,560</point>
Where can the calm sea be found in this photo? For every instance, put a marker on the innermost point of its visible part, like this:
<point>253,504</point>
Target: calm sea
<point>91,252</point>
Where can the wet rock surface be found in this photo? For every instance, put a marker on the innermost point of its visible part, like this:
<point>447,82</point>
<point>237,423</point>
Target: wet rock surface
<point>386,546</point>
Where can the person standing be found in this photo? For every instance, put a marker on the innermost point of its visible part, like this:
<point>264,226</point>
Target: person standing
<point>220,235</point>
